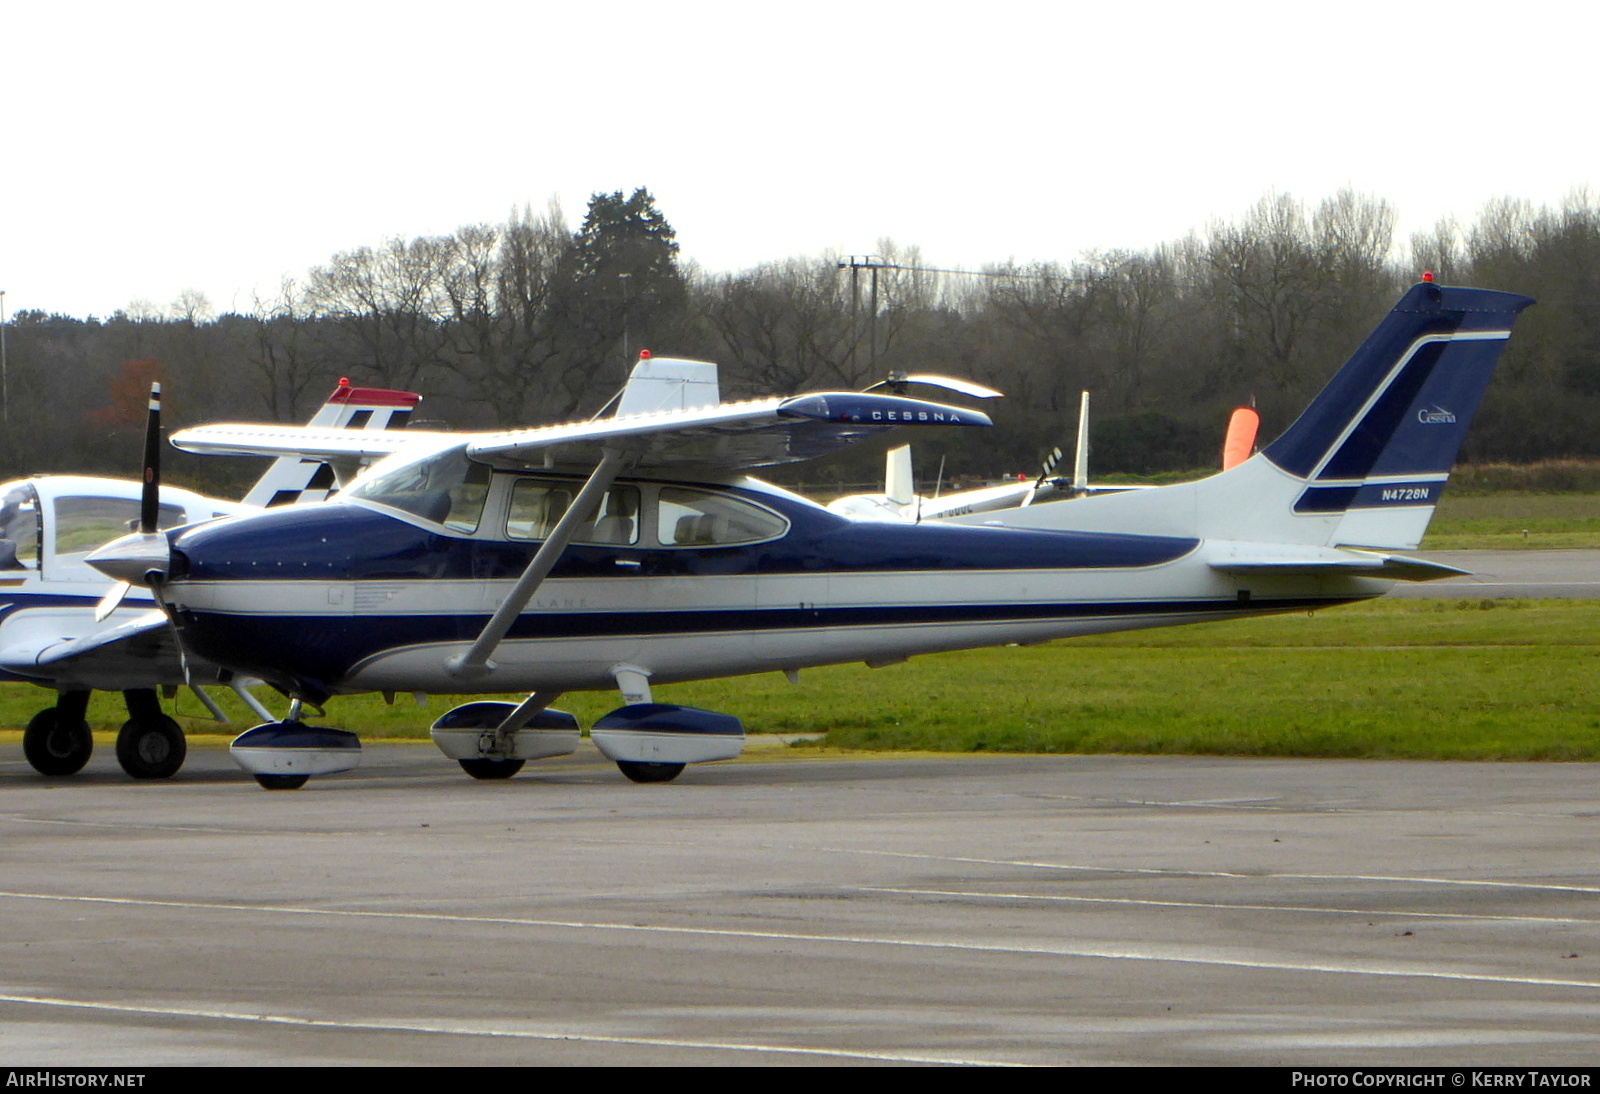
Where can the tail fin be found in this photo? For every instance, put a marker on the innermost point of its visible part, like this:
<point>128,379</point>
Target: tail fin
<point>1366,462</point>
<point>669,383</point>
<point>1378,443</point>
<point>899,482</point>
<point>291,480</point>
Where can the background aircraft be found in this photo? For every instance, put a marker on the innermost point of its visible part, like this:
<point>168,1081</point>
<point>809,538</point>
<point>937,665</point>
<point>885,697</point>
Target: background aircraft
<point>900,501</point>
<point>632,550</point>
<point>48,526</point>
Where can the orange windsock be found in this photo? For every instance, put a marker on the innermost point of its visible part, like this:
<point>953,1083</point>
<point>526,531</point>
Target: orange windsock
<point>1241,439</point>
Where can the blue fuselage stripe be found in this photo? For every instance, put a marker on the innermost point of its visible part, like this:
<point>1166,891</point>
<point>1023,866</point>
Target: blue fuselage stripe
<point>325,648</point>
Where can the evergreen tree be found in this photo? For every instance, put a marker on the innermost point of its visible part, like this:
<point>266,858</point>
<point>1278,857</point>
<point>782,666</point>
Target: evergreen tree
<point>623,288</point>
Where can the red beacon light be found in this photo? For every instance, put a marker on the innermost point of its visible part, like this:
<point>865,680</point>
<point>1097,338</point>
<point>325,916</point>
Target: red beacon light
<point>1427,276</point>
<point>644,355</point>
<point>344,381</point>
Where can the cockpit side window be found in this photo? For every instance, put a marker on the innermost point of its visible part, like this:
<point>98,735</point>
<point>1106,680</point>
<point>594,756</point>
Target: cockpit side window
<point>537,505</point>
<point>446,488</point>
<point>19,529</point>
<point>84,523</point>
<point>702,518</point>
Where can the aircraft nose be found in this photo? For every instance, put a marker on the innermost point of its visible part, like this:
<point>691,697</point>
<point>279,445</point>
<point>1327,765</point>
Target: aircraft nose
<point>134,558</point>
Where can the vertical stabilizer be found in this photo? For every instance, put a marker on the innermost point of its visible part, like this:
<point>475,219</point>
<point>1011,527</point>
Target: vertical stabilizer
<point>291,480</point>
<point>898,484</point>
<point>1080,463</point>
<point>1378,443</point>
<point>1363,466</point>
<point>669,383</point>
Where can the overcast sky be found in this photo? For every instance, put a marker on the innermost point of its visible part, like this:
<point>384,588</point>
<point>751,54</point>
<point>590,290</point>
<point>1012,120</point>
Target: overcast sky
<point>158,147</point>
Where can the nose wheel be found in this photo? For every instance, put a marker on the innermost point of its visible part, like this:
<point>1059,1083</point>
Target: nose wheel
<point>282,782</point>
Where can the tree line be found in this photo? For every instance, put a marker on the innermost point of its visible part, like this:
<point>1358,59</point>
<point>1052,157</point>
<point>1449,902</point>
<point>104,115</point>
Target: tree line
<point>530,322</point>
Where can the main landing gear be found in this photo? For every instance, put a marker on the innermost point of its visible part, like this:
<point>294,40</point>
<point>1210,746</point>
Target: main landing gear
<point>150,745</point>
<point>57,740</point>
<point>493,740</point>
<point>651,742</point>
<point>649,772</point>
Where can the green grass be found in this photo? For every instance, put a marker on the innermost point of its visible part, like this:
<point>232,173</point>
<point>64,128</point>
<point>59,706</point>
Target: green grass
<point>1429,679</point>
<point>1514,520</point>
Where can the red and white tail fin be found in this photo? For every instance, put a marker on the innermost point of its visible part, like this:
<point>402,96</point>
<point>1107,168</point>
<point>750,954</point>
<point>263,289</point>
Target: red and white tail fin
<point>292,480</point>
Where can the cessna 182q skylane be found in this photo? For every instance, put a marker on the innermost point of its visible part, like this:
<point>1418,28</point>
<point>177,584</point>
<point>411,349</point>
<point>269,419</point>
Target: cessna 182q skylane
<point>52,634</point>
<point>632,550</point>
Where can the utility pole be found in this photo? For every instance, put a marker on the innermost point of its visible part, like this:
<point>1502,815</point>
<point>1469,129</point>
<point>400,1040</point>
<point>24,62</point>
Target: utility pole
<point>626,363</point>
<point>854,263</point>
<point>5,373</point>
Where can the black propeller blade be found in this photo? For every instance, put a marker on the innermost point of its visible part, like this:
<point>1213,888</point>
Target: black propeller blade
<point>150,500</point>
<point>143,557</point>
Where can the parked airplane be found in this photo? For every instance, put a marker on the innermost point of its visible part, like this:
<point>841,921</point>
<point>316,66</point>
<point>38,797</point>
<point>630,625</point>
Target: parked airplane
<point>632,551</point>
<point>901,502</point>
<point>48,594</point>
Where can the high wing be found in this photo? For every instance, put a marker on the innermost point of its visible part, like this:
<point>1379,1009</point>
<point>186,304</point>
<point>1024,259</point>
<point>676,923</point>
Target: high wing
<point>311,442</point>
<point>730,436</point>
<point>759,433</point>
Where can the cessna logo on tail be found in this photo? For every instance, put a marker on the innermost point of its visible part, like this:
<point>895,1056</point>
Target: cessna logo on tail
<point>1434,415</point>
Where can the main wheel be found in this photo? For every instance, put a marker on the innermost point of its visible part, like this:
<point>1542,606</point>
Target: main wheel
<point>151,748</point>
<point>641,772</point>
<point>491,769</point>
<point>57,744</point>
<point>282,782</point>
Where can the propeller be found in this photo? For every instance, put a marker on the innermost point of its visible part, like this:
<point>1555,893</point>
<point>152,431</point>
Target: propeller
<point>143,557</point>
<point>1045,475</point>
<point>896,383</point>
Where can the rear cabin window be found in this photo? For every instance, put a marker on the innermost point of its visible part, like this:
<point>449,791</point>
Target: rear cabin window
<point>700,518</point>
<point>537,506</point>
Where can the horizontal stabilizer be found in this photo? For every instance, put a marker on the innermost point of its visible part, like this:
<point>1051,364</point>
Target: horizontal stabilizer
<point>1335,563</point>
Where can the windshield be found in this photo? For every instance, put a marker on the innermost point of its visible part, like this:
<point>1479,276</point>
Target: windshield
<point>444,488</point>
<point>19,528</point>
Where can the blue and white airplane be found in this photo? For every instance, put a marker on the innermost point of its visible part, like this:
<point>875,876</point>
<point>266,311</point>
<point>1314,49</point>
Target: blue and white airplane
<point>52,634</point>
<point>633,550</point>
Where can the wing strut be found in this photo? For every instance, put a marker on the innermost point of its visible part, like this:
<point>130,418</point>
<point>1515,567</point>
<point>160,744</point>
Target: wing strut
<point>475,662</point>
<point>525,711</point>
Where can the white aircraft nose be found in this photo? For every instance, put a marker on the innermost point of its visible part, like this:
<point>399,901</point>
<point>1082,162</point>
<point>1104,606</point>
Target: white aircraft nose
<point>134,557</point>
